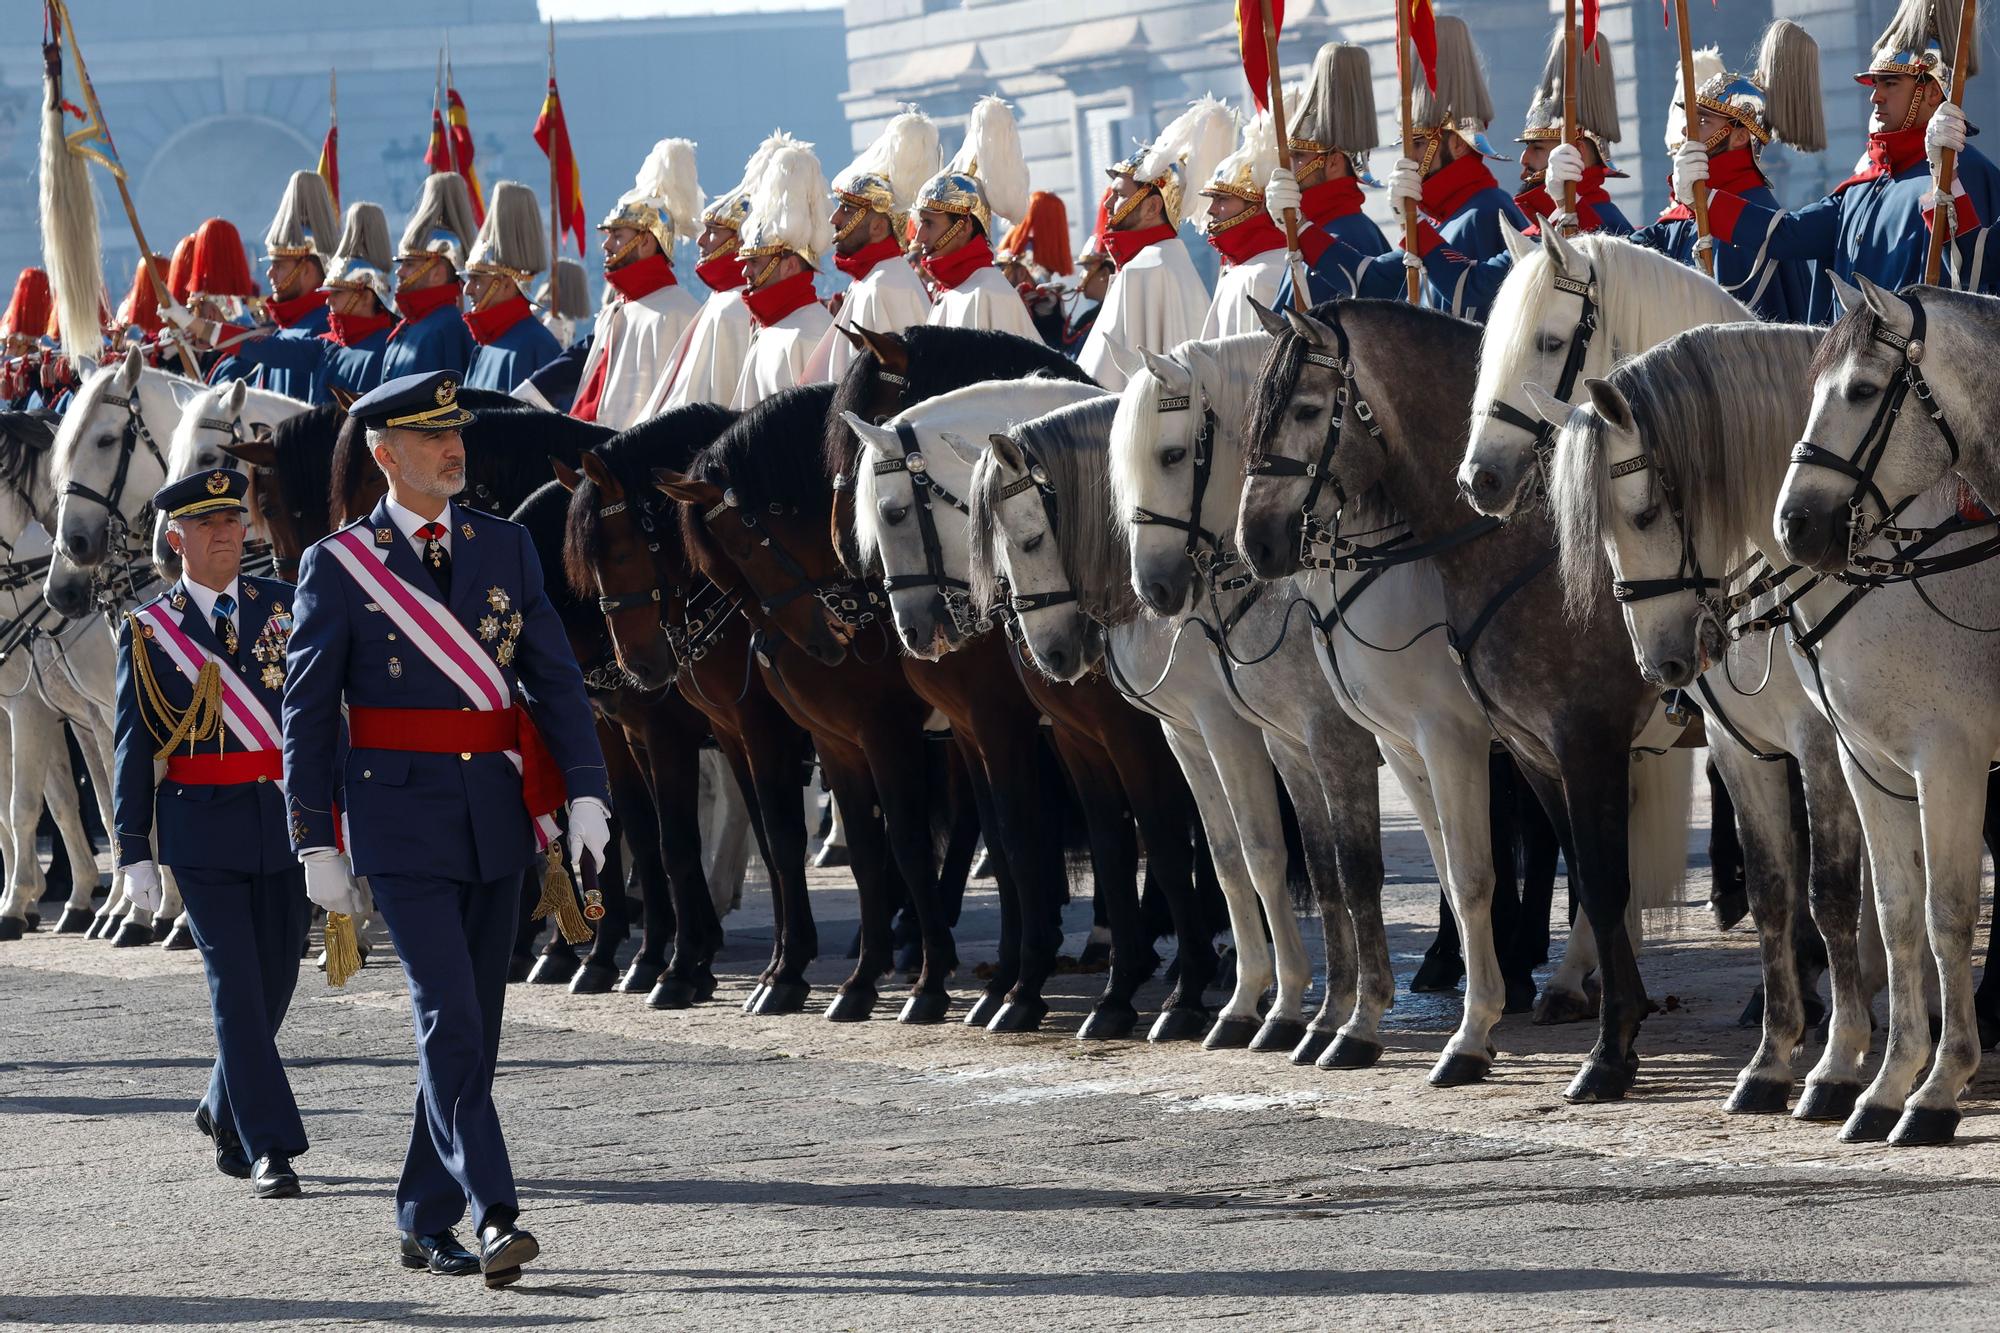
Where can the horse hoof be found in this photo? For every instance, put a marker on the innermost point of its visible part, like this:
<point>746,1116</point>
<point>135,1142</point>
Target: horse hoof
<point>983,1009</point>
<point>1870,1124</point>
<point>755,997</point>
<point>1311,1046</point>
<point>34,922</point>
<point>851,1006</point>
<point>1520,996</point>
<point>1230,1034</point>
<point>1020,1016</point>
<point>1278,1034</point>
<point>1179,1024</point>
<point>1111,1020</point>
<point>74,921</point>
<point>1350,1053</point>
<point>672,993</point>
<point>179,940</point>
<point>12,927</point>
<point>1437,974</point>
<point>1599,1081</point>
<point>925,1007</point>
<point>1461,1068</point>
<point>789,997</point>
<point>1925,1127</point>
<point>1759,1096</point>
<point>162,927</point>
<point>1827,1101</point>
<point>593,978</point>
<point>1561,1006</point>
<point>102,926</point>
<point>1730,905</point>
<point>132,935</point>
<point>551,970</point>
<point>518,969</point>
<point>640,978</point>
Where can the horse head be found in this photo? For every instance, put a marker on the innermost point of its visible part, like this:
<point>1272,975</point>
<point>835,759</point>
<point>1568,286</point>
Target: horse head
<point>108,458</point>
<point>607,557</point>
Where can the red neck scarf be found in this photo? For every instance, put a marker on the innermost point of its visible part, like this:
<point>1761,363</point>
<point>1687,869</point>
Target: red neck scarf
<point>1125,246</point>
<point>642,277</point>
<point>1247,239</point>
<point>950,270</point>
<point>288,313</point>
<point>863,261</point>
<point>490,324</point>
<point>770,304</point>
<point>415,305</point>
<point>1331,199</point>
<point>723,272</point>
<point>347,330</point>
<point>1890,153</point>
<point>1450,188</point>
<point>1537,202</point>
<point>1734,172</point>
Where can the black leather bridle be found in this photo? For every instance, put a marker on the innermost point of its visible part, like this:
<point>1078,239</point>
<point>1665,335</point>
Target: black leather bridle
<point>955,592</point>
<point>1543,431</point>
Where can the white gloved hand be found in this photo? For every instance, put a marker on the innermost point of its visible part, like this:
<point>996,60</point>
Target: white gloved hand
<point>1406,184</point>
<point>1945,131</point>
<point>1690,168</point>
<point>1282,193</point>
<point>1565,168</point>
<point>589,831</point>
<point>329,884</point>
<point>178,315</point>
<point>142,885</point>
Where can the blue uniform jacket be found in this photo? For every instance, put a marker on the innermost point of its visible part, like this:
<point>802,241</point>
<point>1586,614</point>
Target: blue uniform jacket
<point>428,814</point>
<point>1873,228</point>
<point>353,370</point>
<point>1477,282</point>
<point>513,356</point>
<point>1360,262</point>
<point>240,826</point>
<point>1779,290</point>
<point>1457,284</point>
<point>438,341</point>
<point>286,361</point>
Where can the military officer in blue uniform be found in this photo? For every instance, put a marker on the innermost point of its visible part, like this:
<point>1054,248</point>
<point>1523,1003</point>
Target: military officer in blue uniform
<point>429,622</point>
<point>1875,224</point>
<point>299,246</point>
<point>432,333</point>
<point>511,249</point>
<point>201,672</point>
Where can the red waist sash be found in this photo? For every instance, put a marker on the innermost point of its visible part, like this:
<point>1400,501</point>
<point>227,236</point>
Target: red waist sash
<point>465,731</point>
<point>227,770</point>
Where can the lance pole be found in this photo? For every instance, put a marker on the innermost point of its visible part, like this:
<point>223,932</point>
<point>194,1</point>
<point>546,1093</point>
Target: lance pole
<point>1704,252</point>
<point>1405,57</point>
<point>1942,214</point>
<point>1276,94</point>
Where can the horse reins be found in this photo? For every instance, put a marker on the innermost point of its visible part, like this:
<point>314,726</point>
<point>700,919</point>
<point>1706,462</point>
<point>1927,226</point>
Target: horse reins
<point>956,593</point>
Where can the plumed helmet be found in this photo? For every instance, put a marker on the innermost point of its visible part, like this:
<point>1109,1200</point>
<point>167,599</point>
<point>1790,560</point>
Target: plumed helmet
<point>1245,172</point>
<point>665,198</point>
<point>1596,98</point>
<point>362,258</point>
<point>512,242</point>
<point>888,173</point>
<point>306,223</point>
<point>1921,40</point>
<point>442,222</point>
<point>788,206</point>
<point>987,179</point>
<point>1044,234</point>
<point>1186,151</point>
<point>1335,111</point>
<point>32,306</point>
<point>731,209</point>
<point>219,265</point>
<point>141,307</point>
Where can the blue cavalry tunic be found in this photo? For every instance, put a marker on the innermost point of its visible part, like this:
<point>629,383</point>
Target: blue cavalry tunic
<point>226,845</point>
<point>288,359</point>
<point>443,838</point>
<point>1344,248</point>
<point>355,367</point>
<point>513,353</point>
<point>436,339</point>
<point>1779,290</point>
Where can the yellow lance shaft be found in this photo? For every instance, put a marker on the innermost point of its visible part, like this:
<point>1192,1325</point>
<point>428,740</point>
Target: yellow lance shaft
<point>1405,57</point>
<point>1703,252</point>
<point>1947,174</point>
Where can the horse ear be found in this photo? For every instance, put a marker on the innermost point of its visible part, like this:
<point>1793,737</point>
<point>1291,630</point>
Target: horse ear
<point>1547,406</point>
<point>1845,293</point>
<point>854,339</point>
<point>889,349</point>
<point>1273,322</point>
<point>1314,332</point>
<point>685,489</point>
<point>1560,252</point>
<point>1121,356</point>
<point>1165,369</point>
<point>1883,302</point>
<point>128,374</point>
<point>1519,244</point>
<point>1008,452</point>
<point>967,453</point>
<point>594,468</point>
<point>184,392</point>
<point>262,452</point>
<point>1610,403</point>
<point>234,397</point>
<point>878,438</point>
<point>567,475</point>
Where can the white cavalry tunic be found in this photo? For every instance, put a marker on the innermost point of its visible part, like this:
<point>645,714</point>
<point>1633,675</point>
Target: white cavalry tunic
<point>1229,313</point>
<point>888,299</point>
<point>1156,303</point>
<point>778,355</point>
<point>985,300</point>
<point>638,337</point>
<point>708,361</point>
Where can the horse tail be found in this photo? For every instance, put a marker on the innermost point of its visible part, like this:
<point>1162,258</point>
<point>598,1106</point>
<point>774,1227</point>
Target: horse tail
<point>1656,829</point>
<point>1298,882</point>
<point>70,250</point>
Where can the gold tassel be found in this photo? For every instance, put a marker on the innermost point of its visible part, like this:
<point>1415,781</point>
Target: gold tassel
<point>343,949</point>
<point>559,897</point>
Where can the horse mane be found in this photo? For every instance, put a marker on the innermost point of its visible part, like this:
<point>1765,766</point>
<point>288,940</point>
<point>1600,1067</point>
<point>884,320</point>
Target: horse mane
<point>1716,409</point>
<point>23,437</point>
<point>1072,444</point>
<point>1136,427</point>
<point>772,454</point>
<point>668,441</point>
<point>1644,298</point>
<point>88,398</point>
<point>544,514</point>
<point>303,447</point>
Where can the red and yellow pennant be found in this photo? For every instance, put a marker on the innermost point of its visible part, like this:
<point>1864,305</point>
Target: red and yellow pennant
<point>1423,36</point>
<point>552,137</point>
<point>1253,44</point>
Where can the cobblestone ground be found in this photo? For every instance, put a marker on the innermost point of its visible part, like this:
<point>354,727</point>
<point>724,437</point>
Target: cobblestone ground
<point>710,1170</point>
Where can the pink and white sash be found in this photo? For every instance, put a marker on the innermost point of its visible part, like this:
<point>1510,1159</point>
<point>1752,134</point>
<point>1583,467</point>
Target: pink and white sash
<point>248,720</point>
<point>435,632</point>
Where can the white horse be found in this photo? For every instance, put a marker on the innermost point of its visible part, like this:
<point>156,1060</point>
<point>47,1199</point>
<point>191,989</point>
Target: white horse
<point>1908,673</point>
<point>224,414</point>
<point>1671,468</point>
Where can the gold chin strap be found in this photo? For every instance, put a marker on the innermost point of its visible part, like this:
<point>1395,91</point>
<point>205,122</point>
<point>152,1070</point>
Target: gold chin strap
<point>1433,145</point>
<point>764,274</point>
<point>618,260</point>
<point>1916,101</point>
<point>854,223</point>
<point>944,241</point>
<point>498,285</point>
<point>1217,228</point>
<point>1131,203</point>
<point>728,247</point>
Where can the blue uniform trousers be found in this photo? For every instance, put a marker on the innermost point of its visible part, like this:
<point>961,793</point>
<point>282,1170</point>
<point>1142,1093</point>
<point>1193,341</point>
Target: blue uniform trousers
<point>454,938</point>
<point>250,929</point>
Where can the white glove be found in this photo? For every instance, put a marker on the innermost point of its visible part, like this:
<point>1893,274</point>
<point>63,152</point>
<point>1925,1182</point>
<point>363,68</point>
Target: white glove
<point>1946,131</point>
<point>1690,168</point>
<point>1406,184</point>
<point>1565,168</point>
<point>589,831</point>
<point>1282,193</point>
<point>178,315</point>
<point>329,884</point>
<point>142,885</point>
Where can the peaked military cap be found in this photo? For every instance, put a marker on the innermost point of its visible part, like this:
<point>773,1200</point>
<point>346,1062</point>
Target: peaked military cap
<point>427,401</point>
<point>203,493</point>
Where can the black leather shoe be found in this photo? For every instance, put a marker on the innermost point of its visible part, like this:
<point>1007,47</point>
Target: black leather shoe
<point>440,1253</point>
<point>230,1159</point>
<point>503,1248</point>
<point>274,1178</point>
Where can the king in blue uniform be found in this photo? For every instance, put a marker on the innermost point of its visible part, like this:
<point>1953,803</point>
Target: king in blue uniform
<point>428,621</point>
<point>200,678</point>
<point>511,249</point>
<point>432,334</point>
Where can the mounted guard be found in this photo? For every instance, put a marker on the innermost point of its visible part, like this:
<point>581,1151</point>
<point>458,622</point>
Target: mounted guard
<point>783,240</point>
<point>358,305</point>
<point>562,302</point>
<point>872,199</point>
<point>431,335</point>
<point>1333,129</point>
<point>1548,164</point>
<point>957,211</point>
<point>1240,229</point>
<point>511,249</point>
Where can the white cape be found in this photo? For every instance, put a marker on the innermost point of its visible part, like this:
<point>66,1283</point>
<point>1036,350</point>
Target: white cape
<point>985,300</point>
<point>708,361</point>
<point>888,299</point>
<point>1156,303</point>
<point>1258,276</point>
<point>637,337</point>
<point>778,355</point>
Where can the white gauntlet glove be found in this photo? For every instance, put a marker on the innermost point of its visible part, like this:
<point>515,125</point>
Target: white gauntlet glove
<point>142,885</point>
<point>1282,193</point>
<point>1406,184</point>
<point>1690,168</point>
<point>1946,131</point>
<point>589,831</point>
<point>329,884</point>
<point>1565,168</point>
